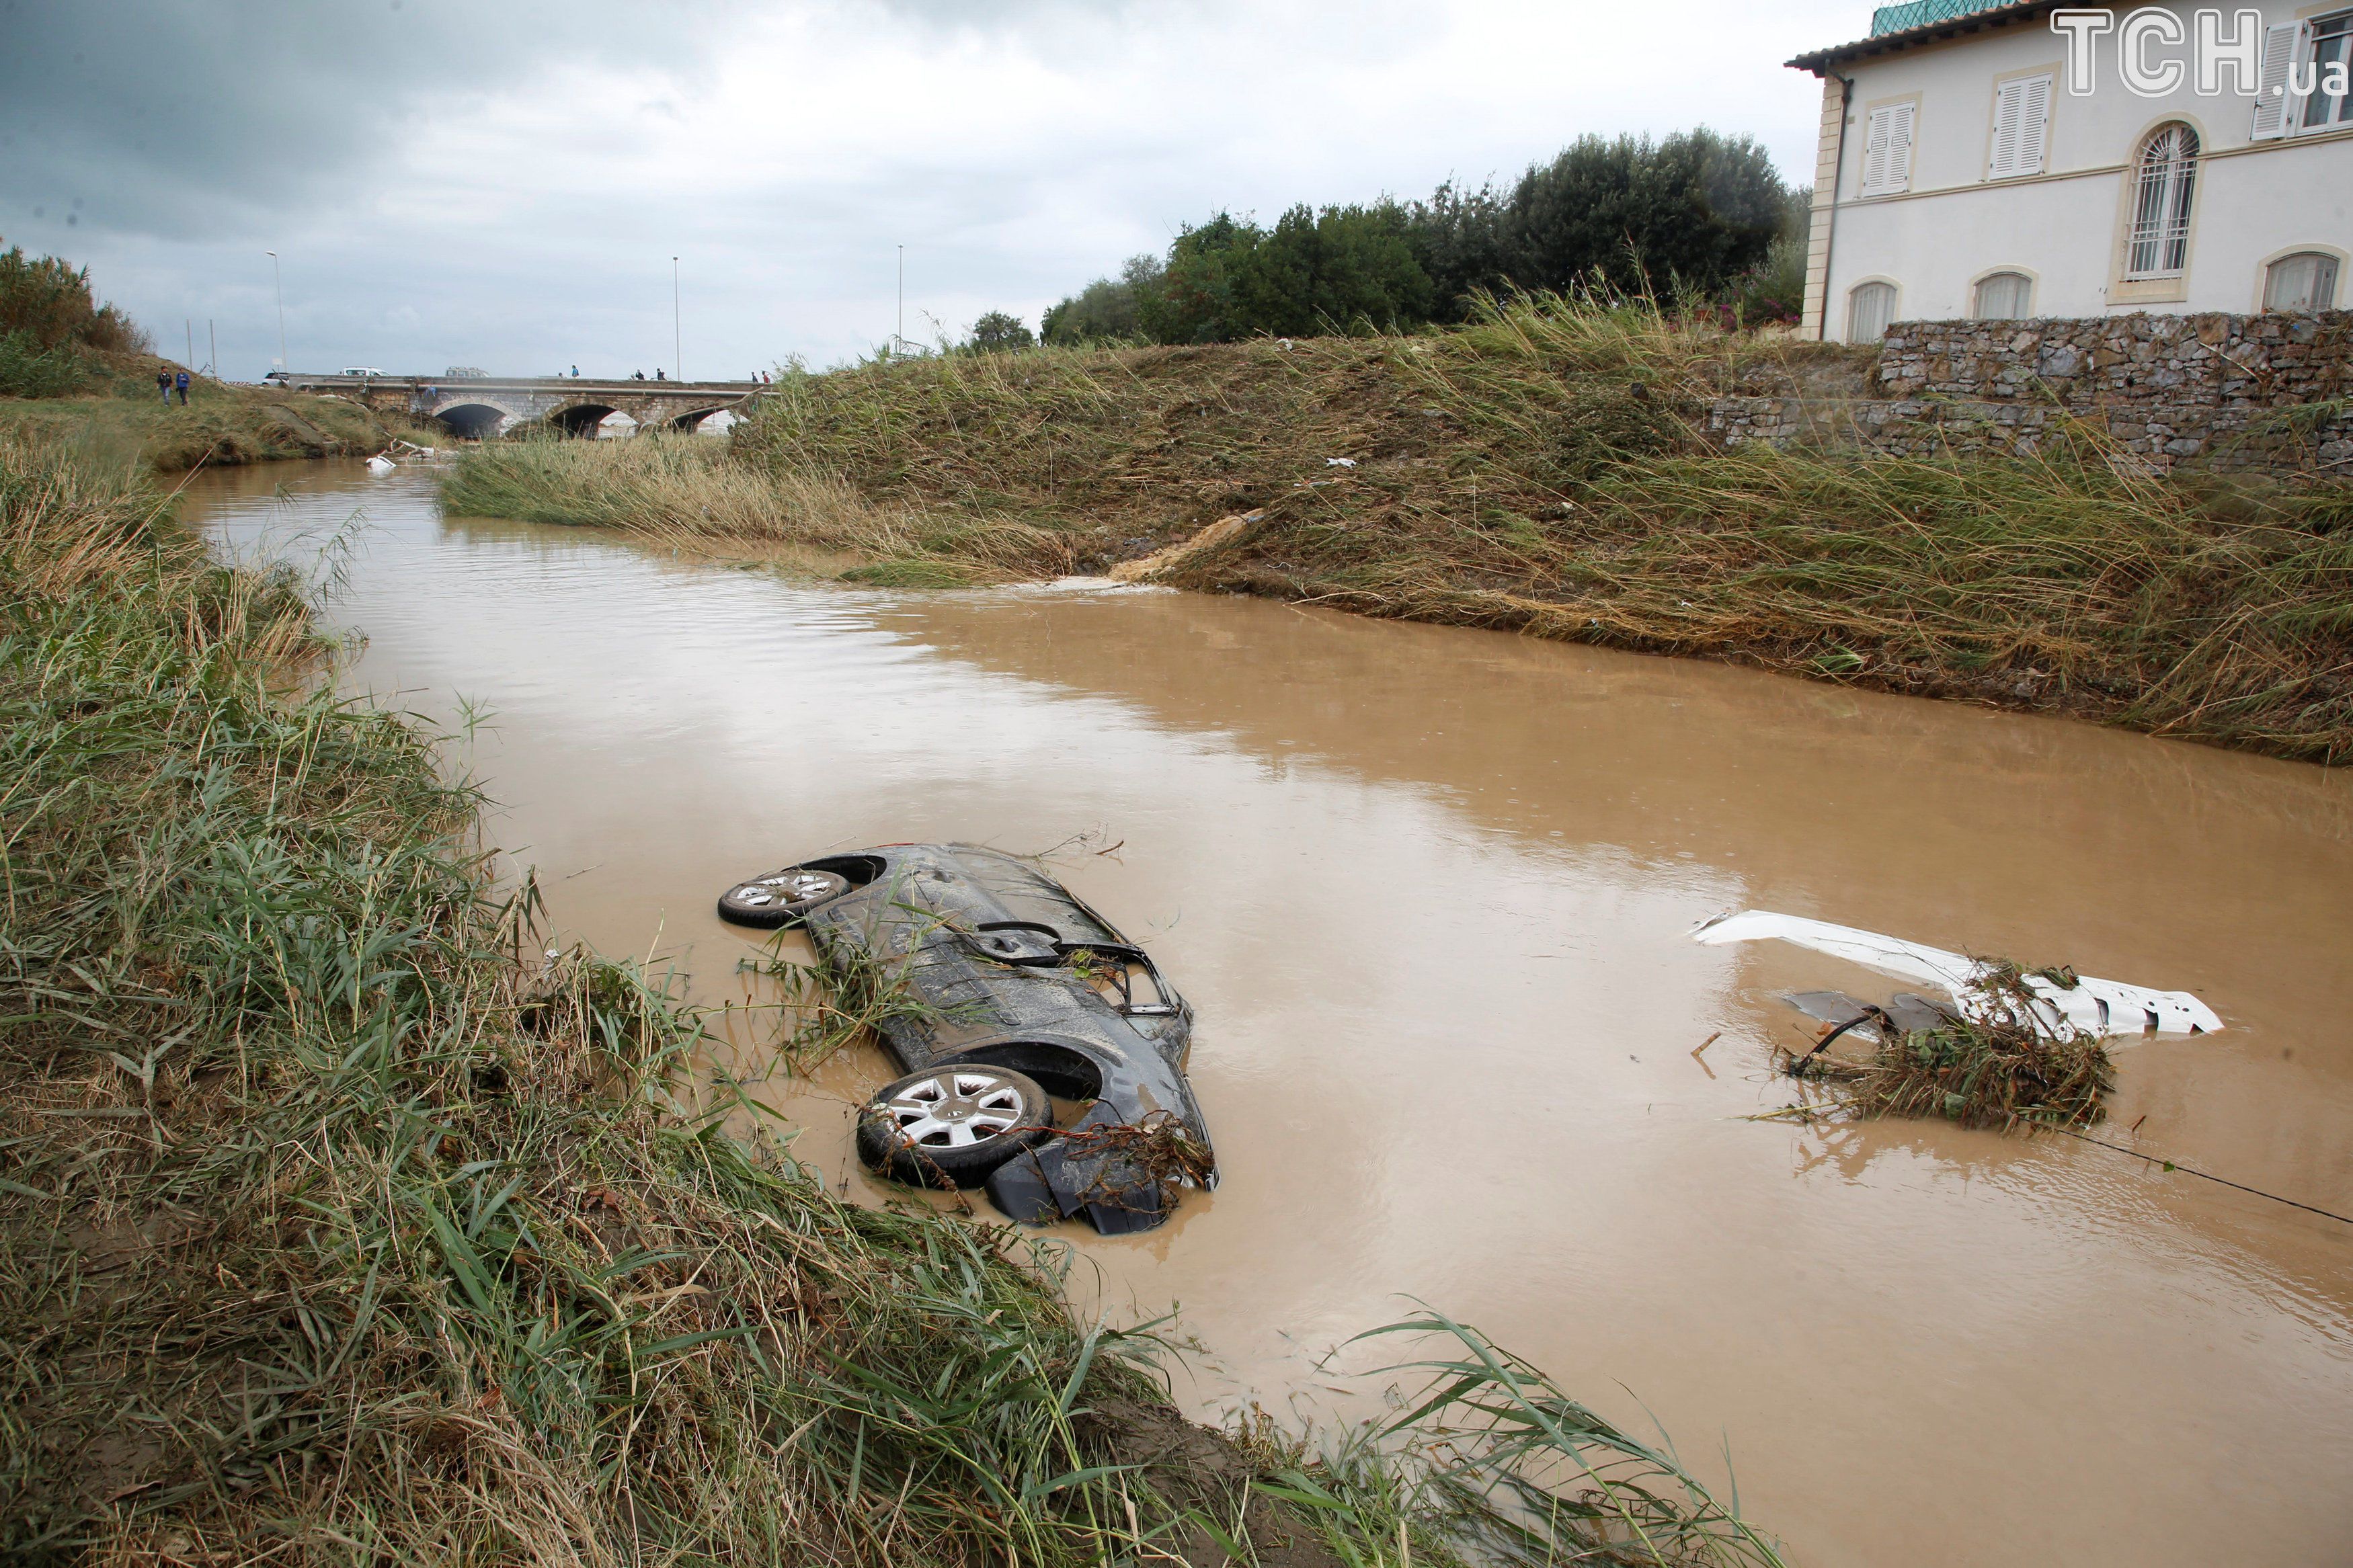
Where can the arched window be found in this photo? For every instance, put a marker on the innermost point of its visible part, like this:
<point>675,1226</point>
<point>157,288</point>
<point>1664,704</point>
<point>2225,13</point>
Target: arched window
<point>2165,180</point>
<point>1869,308</point>
<point>2003,297</point>
<point>2304,281</point>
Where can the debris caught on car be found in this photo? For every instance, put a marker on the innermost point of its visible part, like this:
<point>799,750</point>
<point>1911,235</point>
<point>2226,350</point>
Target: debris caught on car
<point>1021,991</point>
<point>2060,1001</point>
<point>2000,1061</point>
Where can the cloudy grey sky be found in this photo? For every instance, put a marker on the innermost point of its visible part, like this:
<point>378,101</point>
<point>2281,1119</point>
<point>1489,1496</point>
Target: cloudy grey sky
<point>504,184</point>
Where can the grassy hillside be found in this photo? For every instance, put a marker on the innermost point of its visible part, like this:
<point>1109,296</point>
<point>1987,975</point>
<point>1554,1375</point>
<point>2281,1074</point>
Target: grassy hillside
<point>1540,470</point>
<point>73,370</point>
<point>113,412</point>
<point>336,1225</point>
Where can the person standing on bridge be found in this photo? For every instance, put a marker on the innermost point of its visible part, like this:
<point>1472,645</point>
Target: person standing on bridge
<point>659,373</point>
<point>576,369</point>
<point>180,384</point>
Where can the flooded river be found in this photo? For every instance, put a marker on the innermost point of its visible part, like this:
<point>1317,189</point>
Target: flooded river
<point>1429,891</point>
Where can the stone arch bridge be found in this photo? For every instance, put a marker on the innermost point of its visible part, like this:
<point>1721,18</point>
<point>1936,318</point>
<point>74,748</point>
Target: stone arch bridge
<point>490,405</point>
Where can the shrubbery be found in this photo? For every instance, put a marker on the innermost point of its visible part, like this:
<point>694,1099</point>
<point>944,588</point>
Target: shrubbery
<point>1695,214</point>
<point>47,319</point>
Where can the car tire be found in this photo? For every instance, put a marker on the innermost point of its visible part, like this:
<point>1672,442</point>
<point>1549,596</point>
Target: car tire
<point>780,898</point>
<point>950,1125</point>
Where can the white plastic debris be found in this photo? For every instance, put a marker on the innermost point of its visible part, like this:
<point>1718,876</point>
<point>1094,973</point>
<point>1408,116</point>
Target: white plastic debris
<point>380,465</point>
<point>2093,1006</point>
<point>1339,462</point>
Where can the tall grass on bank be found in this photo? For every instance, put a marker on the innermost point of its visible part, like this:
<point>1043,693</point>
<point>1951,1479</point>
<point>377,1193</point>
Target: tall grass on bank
<point>2062,579</point>
<point>117,418</point>
<point>333,1229</point>
<point>1542,469</point>
<point>330,1230</point>
<point>683,488</point>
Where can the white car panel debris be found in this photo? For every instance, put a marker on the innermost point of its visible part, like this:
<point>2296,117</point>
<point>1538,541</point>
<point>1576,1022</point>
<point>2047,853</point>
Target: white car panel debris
<point>2093,1006</point>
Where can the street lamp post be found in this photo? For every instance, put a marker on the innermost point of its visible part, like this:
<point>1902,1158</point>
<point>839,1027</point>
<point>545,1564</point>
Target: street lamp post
<point>676,334</point>
<point>280,276</point>
<point>899,333</point>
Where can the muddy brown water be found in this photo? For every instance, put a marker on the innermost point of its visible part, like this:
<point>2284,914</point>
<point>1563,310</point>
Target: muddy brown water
<point>1430,890</point>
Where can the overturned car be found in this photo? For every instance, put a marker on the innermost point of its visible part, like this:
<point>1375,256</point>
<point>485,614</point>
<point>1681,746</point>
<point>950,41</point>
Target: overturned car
<point>1008,991</point>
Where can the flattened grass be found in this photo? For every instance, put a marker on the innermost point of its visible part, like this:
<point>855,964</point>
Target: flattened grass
<point>681,489</point>
<point>1540,470</point>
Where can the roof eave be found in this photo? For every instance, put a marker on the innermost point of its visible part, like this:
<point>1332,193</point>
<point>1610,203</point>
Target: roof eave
<point>1819,61</point>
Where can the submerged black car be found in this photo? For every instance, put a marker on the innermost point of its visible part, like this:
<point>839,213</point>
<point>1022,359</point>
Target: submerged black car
<point>1014,991</point>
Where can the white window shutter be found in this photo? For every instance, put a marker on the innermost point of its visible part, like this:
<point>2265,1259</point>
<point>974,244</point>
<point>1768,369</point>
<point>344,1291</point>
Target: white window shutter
<point>1874,152</point>
<point>2282,45</point>
<point>2033,124</point>
<point>2008,106</point>
<point>2022,109</point>
<point>1895,170</point>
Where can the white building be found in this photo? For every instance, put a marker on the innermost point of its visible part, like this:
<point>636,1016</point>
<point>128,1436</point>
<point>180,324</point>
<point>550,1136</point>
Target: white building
<point>2028,159</point>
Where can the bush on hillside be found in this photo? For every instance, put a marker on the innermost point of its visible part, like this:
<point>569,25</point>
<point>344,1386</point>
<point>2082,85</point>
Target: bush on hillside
<point>1107,311</point>
<point>1695,214</point>
<point>29,371</point>
<point>50,303</point>
<point>1691,212</point>
<point>995,333</point>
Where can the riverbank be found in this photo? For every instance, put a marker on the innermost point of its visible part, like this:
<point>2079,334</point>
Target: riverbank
<point>392,1235</point>
<point>1541,470</point>
<point>118,418</point>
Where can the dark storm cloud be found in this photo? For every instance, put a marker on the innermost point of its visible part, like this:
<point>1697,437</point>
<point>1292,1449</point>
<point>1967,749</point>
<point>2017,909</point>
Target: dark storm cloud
<point>505,183</point>
<point>185,117</point>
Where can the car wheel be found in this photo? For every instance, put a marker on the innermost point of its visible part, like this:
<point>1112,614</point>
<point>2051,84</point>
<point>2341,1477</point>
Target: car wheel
<point>780,898</point>
<point>950,1126</point>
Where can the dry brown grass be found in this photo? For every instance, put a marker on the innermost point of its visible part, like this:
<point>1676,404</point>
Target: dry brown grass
<point>1539,471</point>
<point>682,490</point>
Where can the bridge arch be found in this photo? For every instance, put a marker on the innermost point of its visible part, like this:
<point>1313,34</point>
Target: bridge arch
<point>716,420</point>
<point>583,418</point>
<point>473,419</point>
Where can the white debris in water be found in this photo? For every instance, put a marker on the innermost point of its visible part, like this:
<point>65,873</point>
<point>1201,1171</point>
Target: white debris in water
<point>2093,1006</point>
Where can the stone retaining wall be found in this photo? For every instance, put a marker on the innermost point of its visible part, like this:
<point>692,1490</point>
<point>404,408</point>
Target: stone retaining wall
<point>2205,390</point>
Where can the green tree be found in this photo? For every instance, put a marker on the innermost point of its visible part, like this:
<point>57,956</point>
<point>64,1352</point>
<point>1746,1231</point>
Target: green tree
<point>1341,269</point>
<point>1109,309</point>
<point>995,333</point>
<point>1195,301</point>
<point>50,303</point>
<point>1695,214</point>
<point>1345,268</point>
<point>1693,211</point>
<point>1458,238</point>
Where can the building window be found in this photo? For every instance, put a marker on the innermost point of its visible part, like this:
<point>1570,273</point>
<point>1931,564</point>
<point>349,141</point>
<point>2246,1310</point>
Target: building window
<point>2327,102</point>
<point>2003,297</point>
<point>1887,150</point>
<point>2165,180</point>
<point>2306,282</point>
<point>2021,114</point>
<point>2305,68</point>
<point>1869,308</point>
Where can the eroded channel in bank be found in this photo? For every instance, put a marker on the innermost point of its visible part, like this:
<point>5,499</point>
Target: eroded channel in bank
<point>1429,889</point>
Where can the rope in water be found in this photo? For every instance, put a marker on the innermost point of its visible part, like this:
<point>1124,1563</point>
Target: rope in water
<point>2203,1176</point>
